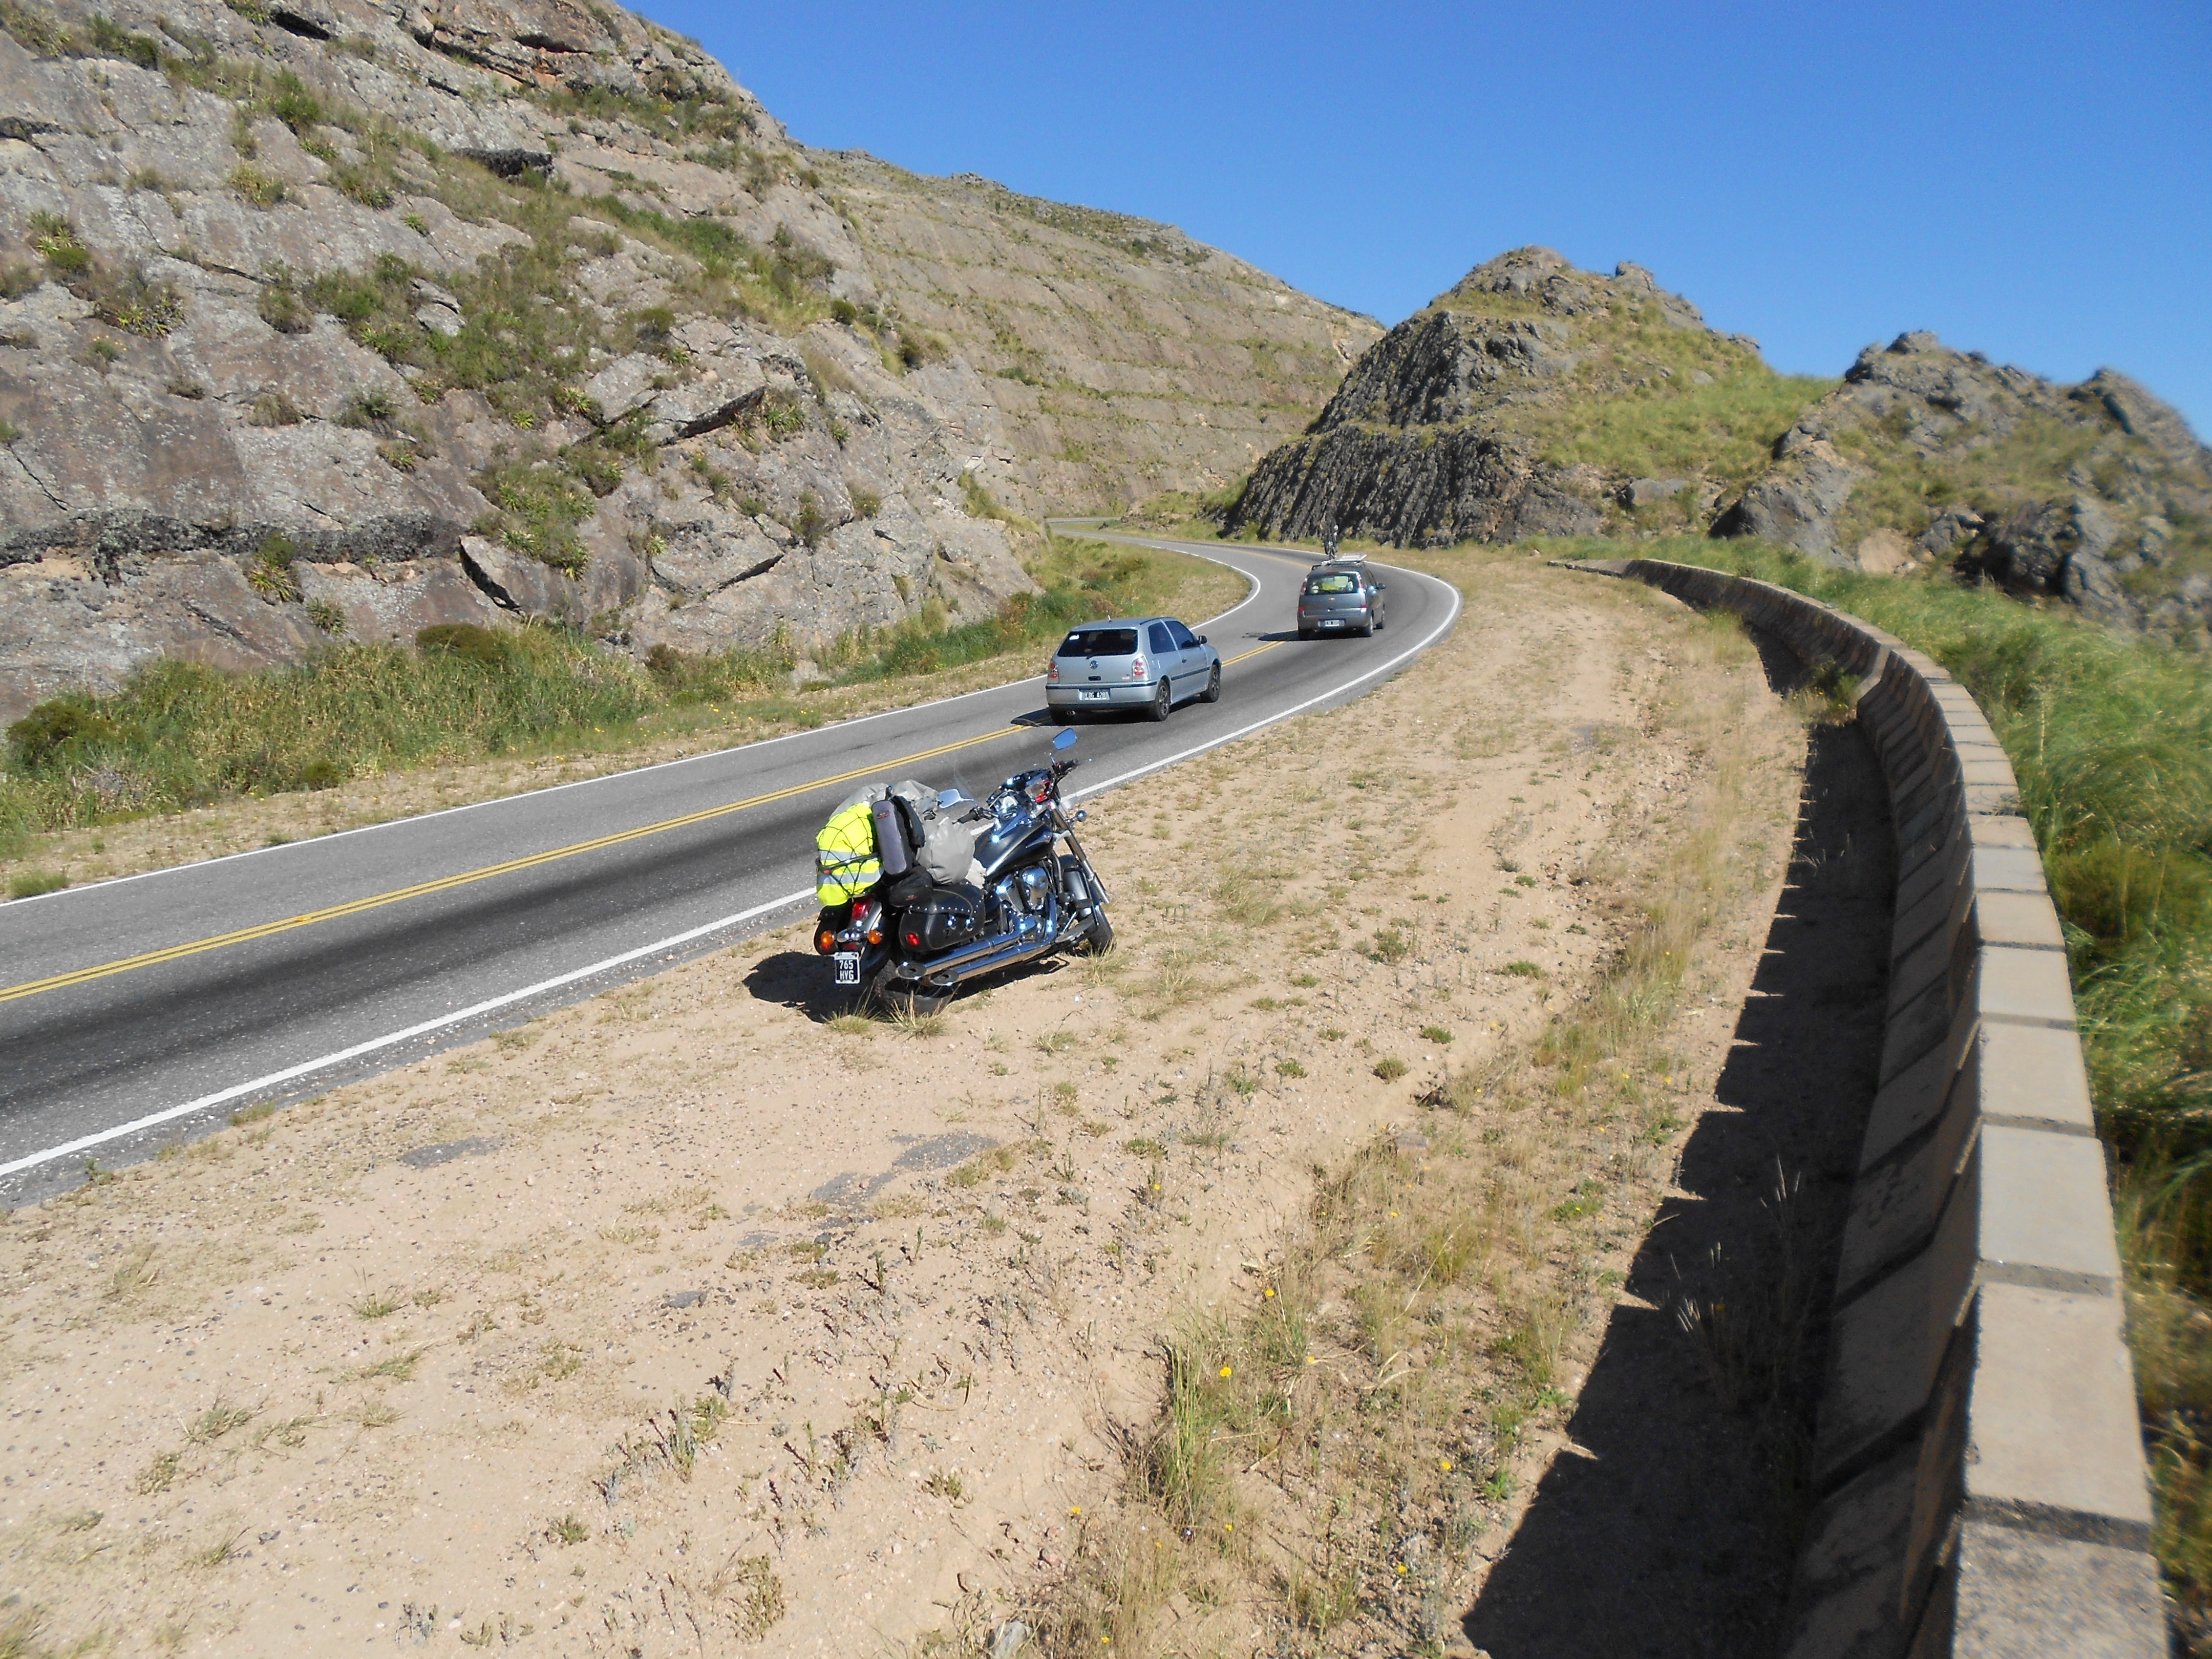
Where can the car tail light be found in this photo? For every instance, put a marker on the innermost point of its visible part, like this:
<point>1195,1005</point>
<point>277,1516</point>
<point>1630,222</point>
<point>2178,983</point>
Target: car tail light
<point>1136,668</point>
<point>1052,674</point>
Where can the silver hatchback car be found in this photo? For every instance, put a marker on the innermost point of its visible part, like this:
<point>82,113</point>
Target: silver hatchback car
<point>1150,663</point>
<point>1340,596</point>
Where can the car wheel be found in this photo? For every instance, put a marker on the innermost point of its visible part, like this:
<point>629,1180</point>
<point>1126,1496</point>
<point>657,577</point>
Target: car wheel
<point>1161,702</point>
<point>1213,692</point>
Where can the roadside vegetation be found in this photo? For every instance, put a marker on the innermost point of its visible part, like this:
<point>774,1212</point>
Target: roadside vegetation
<point>1328,1448</point>
<point>2112,739</point>
<point>179,735</point>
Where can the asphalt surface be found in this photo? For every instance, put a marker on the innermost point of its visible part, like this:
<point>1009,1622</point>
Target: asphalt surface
<point>139,1011</point>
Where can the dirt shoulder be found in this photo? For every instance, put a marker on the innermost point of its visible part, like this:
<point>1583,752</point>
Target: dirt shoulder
<point>693,1320</point>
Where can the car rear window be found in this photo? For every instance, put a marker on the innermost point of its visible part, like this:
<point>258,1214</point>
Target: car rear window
<point>1333,584</point>
<point>1100,642</point>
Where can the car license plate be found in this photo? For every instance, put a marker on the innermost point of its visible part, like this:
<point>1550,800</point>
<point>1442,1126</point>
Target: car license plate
<point>1332,622</point>
<point>848,967</point>
<point>1093,696</point>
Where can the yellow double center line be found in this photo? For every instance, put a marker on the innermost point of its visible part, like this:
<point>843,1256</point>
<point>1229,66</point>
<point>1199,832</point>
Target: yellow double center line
<point>446,883</point>
<point>1242,655</point>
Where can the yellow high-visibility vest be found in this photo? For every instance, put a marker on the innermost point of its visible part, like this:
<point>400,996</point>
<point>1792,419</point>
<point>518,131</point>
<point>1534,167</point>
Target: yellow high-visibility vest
<point>845,861</point>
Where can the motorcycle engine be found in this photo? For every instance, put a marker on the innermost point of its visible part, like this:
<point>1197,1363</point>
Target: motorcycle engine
<point>1034,887</point>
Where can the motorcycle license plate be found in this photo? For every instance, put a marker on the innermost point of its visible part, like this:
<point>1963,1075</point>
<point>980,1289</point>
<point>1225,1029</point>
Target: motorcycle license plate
<point>848,967</point>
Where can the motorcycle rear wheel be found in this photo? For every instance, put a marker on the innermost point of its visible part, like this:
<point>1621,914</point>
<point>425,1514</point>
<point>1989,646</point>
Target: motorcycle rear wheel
<point>903,998</point>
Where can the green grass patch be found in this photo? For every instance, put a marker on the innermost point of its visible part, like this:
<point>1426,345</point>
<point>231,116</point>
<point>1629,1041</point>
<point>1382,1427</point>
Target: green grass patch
<point>179,735</point>
<point>2111,741</point>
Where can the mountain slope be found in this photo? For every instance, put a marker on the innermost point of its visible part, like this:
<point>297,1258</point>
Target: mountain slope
<point>327,319</point>
<point>1123,357</point>
<point>1533,398</point>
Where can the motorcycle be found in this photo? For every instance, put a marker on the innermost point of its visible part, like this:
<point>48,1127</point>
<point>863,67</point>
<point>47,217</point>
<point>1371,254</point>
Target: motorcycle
<point>909,943</point>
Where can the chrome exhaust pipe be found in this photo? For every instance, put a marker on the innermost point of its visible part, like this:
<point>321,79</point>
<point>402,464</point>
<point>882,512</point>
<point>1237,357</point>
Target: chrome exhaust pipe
<point>1034,936</point>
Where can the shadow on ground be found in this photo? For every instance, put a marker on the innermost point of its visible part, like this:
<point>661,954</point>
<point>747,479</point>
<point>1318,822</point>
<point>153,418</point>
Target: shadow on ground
<point>1667,1525</point>
<point>802,981</point>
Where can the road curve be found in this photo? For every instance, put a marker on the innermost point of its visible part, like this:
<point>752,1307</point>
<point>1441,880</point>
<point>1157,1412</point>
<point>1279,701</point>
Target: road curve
<point>142,1010</point>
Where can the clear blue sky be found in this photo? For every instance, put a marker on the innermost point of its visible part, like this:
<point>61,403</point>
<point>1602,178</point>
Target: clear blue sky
<point>2032,180</point>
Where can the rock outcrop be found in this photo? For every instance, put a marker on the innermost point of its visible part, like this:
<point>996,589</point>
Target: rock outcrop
<point>334,318</point>
<point>1537,399</point>
<point>1457,425</point>
<point>2097,495</point>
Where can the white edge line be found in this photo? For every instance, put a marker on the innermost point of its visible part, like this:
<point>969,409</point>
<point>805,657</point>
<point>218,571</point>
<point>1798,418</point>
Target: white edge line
<point>630,772</point>
<point>292,1073</point>
<point>205,1102</point>
<point>1411,650</point>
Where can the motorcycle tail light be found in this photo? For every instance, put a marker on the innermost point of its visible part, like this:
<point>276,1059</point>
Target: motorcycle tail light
<point>825,942</point>
<point>875,936</point>
<point>913,941</point>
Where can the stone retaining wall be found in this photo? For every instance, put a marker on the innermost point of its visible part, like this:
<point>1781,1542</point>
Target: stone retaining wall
<point>1979,1467</point>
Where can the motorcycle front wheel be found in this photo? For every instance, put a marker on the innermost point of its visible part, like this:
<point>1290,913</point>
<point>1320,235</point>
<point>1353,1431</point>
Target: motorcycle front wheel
<point>1098,937</point>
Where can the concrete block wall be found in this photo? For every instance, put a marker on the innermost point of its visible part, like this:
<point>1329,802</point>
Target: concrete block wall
<point>1979,1466</point>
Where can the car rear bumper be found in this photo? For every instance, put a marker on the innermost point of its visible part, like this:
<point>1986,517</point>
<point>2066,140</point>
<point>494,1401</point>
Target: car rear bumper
<point>1089,696</point>
<point>1322,620</point>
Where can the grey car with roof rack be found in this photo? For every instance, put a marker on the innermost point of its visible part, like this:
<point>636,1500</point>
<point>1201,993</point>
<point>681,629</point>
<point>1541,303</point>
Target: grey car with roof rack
<point>1139,663</point>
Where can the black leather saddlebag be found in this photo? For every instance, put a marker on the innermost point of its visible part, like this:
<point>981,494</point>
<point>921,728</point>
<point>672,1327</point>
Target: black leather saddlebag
<point>945,919</point>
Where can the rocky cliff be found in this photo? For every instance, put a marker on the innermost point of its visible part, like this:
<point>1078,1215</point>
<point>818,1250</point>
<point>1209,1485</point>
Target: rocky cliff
<point>1492,413</point>
<point>1123,358</point>
<point>2096,493</point>
<point>1534,399</point>
<point>331,319</point>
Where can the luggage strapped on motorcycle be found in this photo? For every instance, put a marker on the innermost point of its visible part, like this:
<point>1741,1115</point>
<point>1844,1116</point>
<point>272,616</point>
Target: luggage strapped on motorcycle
<point>851,856</point>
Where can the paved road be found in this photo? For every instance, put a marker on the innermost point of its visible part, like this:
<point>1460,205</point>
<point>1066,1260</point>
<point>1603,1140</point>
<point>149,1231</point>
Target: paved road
<point>138,1012</point>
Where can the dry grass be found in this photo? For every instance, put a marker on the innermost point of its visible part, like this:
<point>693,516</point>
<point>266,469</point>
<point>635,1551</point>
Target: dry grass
<point>1322,1457</point>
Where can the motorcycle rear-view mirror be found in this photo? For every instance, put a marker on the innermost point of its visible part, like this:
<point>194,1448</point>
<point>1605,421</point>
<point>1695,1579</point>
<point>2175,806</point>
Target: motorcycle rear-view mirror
<point>947,798</point>
<point>1065,740</point>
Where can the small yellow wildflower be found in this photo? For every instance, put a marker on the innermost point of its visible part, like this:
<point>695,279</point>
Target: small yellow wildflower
<point>1266,1295</point>
<point>1077,1509</point>
<point>1228,1370</point>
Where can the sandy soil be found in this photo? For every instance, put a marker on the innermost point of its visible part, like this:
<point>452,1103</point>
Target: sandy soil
<point>690,1321</point>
